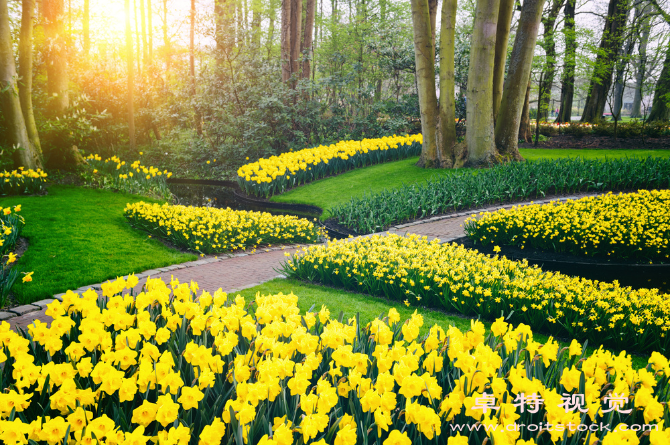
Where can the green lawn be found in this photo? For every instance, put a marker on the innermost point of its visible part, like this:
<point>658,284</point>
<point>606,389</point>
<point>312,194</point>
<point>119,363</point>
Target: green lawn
<point>329,192</point>
<point>369,307</point>
<point>78,236</point>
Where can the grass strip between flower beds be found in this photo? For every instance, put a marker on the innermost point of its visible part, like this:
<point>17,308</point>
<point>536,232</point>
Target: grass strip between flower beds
<point>174,366</point>
<point>629,226</point>
<point>412,269</point>
<point>213,230</point>
<point>503,183</point>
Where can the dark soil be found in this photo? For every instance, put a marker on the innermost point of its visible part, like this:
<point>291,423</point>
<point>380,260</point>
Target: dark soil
<point>601,142</point>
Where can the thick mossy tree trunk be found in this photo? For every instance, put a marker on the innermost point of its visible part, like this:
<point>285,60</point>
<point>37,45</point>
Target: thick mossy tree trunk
<point>424,56</point>
<point>502,40</point>
<point>569,64</point>
<point>660,107</point>
<point>479,136</point>
<point>601,79</point>
<point>17,135</point>
<point>514,93</point>
<point>26,72</point>
<point>524,127</point>
<point>446,140</point>
<point>549,45</point>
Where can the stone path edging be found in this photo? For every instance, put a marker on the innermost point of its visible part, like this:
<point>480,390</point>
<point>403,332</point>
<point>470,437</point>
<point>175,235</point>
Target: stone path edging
<point>235,272</point>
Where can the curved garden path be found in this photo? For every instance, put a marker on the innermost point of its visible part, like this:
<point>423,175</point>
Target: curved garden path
<point>235,272</point>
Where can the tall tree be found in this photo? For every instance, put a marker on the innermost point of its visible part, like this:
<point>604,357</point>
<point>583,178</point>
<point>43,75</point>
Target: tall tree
<point>307,40</point>
<point>479,110</point>
<point>131,81</point>
<point>26,71</point>
<point>286,40</point>
<point>424,55</point>
<point>295,22</point>
<point>610,43</point>
<point>521,59</point>
<point>191,63</point>
<point>57,74</point>
<point>446,140</point>
<point>15,126</point>
<point>569,64</point>
<point>549,45</point>
<point>524,126</point>
<point>143,27</point>
<point>502,38</point>
<point>256,23</point>
<point>641,65</point>
<point>86,27</point>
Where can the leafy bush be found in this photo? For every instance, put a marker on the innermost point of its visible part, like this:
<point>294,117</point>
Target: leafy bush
<point>632,226</point>
<point>115,174</point>
<point>21,181</point>
<point>179,369</point>
<point>576,129</point>
<point>268,177</point>
<point>503,183</point>
<point>452,277</point>
<point>212,230</point>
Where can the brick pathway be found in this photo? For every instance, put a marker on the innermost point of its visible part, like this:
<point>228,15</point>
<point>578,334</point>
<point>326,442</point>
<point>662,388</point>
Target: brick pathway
<point>244,270</point>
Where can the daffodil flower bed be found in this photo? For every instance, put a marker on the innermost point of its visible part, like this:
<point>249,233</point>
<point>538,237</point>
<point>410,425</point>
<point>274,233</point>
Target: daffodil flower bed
<point>135,178</point>
<point>631,226</point>
<point>267,177</point>
<point>21,181</point>
<point>169,368</point>
<point>11,225</point>
<point>449,276</point>
<point>212,230</point>
<point>510,182</point>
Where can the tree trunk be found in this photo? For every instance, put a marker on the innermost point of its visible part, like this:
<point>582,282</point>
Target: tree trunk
<point>191,59</point>
<point>137,39</point>
<point>502,39</point>
<point>286,40</point>
<point>256,23</point>
<point>432,10</point>
<point>26,72</point>
<point>601,79</point>
<point>479,136</point>
<point>660,111</point>
<point>446,140</point>
<point>619,76</point>
<point>131,81</point>
<point>150,32</point>
<point>307,38</point>
<point>57,75</point>
<point>549,45</point>
<point>145,48</point>
<point>166,39</point>
<point>424,55</point>
<point>524,127</point>
<point>85,27</point>
<point>17,135</point>
<point>271,28</point>
<point>569,63</point>
<point>296,21</point>
<point>640,72</point>
<point>516,84</point>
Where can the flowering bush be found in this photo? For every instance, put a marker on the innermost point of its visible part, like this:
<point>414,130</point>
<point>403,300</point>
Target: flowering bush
<point>632,225</point>
<point>171,368</point>
<point>455,278</point>
<point>11,225</point>
<point>267,177</point>
<point>22,181</point>
<point>135,178</point>
<point>211,230</point>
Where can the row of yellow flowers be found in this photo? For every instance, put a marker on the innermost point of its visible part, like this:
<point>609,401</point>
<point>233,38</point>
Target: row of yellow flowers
<point>168,368</point>
<point>130,177</point>
<point>631,225</point>
<point>11,225</point>
<point>22,181</point>
<point>213,230</point>
<point>450,276</point>
<point>270,176</point>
